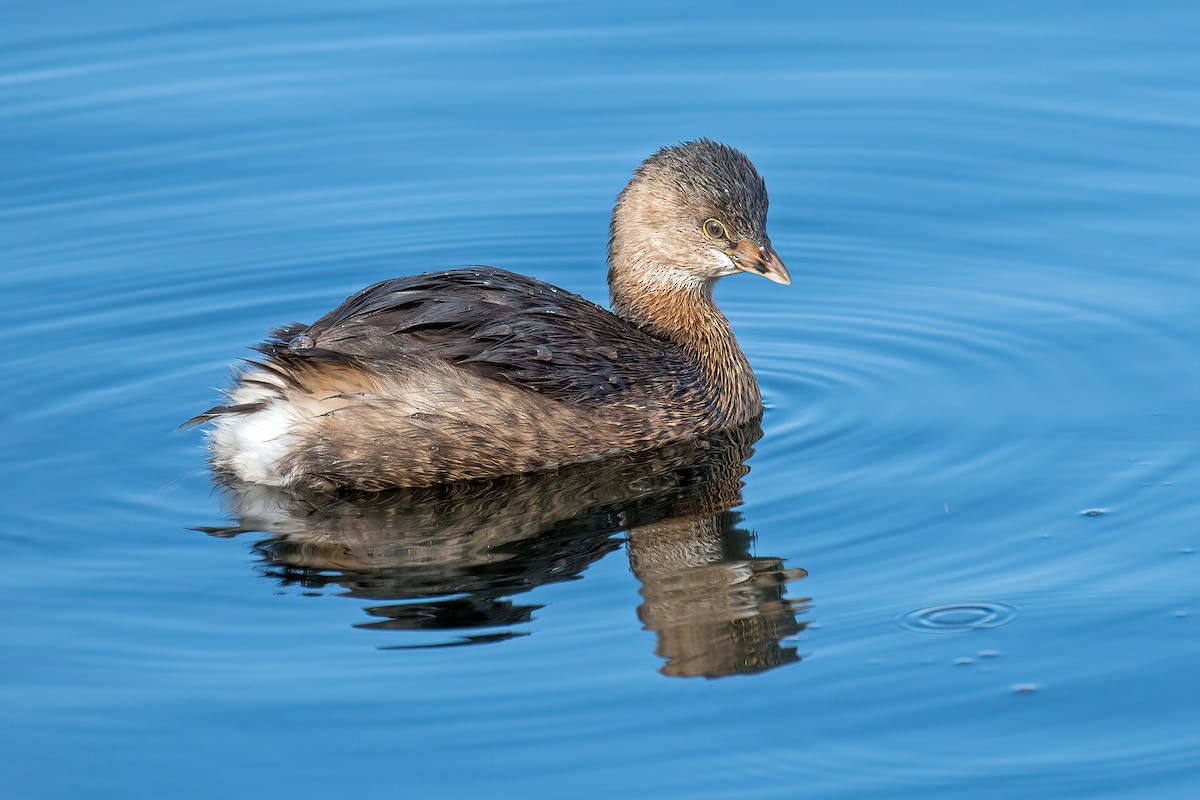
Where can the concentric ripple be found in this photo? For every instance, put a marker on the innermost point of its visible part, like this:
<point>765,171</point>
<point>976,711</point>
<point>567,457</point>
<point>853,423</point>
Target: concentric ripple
<point>959,617</point>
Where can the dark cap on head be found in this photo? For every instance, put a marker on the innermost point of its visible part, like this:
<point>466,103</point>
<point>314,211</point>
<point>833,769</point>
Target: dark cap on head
<point>712,179</point>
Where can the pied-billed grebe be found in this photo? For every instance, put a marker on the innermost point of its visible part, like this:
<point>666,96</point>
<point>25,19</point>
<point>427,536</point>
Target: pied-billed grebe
<point>478,373</point>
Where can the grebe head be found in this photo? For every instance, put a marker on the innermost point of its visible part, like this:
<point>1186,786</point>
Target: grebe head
<point>691,214</point>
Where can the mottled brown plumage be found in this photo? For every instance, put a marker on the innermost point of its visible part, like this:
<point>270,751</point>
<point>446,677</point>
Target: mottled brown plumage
<point>480,372</point>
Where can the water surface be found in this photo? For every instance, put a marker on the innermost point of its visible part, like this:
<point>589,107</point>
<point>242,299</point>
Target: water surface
<point>960,561</point>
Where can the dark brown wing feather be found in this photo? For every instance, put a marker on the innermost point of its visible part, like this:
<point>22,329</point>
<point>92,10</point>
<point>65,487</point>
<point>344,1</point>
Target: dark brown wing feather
<point>494,323</point>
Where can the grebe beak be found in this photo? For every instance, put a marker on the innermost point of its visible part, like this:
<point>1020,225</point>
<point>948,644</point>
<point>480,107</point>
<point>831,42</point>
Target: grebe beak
<point>760,260</point>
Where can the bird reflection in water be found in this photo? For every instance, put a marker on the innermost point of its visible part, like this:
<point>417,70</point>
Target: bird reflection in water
<point>452,558</point>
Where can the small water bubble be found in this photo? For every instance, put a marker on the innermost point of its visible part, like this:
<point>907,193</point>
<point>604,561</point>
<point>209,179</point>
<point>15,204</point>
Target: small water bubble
<point>1179,613</point>
<point>989,653</point>
<point>1094,512</point>
<point>1187,551</point>
<point>301,343</point>
<point>1025,688</point>
<point>963,662</point>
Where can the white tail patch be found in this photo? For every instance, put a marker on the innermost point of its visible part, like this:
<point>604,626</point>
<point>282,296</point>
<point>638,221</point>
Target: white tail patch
<point>255,445</point>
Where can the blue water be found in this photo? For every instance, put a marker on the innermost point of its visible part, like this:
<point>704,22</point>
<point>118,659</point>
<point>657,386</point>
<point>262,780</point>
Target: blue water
<point>962,564</point>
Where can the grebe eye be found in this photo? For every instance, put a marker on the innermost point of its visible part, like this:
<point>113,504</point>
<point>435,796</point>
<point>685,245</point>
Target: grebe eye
<point>713,229</point>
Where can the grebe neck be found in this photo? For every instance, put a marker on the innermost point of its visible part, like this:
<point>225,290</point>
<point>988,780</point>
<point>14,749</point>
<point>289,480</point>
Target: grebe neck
<point>680,309</point>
